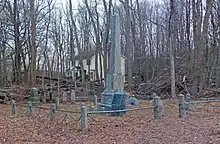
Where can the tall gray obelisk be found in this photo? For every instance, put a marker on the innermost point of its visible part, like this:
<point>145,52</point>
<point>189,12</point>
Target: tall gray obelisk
<point>115,79</point>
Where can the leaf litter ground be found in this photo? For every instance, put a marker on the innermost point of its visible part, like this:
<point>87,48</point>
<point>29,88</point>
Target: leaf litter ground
<point>201,126</point>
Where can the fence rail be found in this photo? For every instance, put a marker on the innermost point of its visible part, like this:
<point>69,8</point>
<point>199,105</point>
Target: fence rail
<point>204,101</point>
<point>115,111</point>
<point>54,107</point>
<point>155,106</point>
<point>185,105</point>
<point>15,108</point>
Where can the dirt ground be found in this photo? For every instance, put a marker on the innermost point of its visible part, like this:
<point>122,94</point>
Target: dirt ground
<point>137,127</point>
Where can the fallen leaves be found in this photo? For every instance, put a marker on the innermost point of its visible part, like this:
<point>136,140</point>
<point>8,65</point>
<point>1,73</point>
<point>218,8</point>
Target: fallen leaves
<point>135,127</point>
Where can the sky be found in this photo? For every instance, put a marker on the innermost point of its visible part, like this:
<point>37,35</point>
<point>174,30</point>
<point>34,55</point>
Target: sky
<point>63,2</point>
<point>76,2</point>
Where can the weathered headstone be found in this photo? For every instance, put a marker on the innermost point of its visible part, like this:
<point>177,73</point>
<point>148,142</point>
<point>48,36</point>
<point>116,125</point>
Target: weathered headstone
<point>34,98</point>
<point>73,96</point>
<point>133,101</point>
<point>44,96</point>
<point>64,97</point>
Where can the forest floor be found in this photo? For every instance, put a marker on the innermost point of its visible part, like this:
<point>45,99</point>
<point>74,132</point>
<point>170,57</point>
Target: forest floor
<point>137,127</point>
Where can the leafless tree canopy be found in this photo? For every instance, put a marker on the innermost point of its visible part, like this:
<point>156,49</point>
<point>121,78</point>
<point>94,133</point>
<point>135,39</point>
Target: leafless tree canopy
<point>163,41</point>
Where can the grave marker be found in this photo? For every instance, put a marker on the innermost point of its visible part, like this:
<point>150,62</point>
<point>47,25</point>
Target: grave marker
<point>64,97</point>
<point>73,96</point>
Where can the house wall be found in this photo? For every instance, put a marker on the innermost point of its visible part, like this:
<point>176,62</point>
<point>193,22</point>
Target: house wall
<point>92,66</point>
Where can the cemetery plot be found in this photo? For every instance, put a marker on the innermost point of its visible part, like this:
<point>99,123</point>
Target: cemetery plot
<point>134,127</point>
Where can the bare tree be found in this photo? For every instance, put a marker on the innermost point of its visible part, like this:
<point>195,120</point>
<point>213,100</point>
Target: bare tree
<point>172,38</point>
<point>33,43</point>
<point>128,44</point>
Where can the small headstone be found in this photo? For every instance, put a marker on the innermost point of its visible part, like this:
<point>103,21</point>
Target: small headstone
<point>73,96</point>
<point>133,101</point>
<point>64,97</point>
<point>34,98</point>
<point>44,97</point>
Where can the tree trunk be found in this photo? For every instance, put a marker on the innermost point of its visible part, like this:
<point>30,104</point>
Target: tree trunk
<point>33,41</point>
<point>128,44</point>
<point>203,46</point>
<point>172,38</point>
<point>106,37</point>
<point>78,46</point>
<point>17,62</point>
<point>100,64</point>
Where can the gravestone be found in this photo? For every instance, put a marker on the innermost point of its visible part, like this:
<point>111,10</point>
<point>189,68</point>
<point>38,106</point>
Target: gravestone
<point>64,97</point>
<point>44,97</point>
<point>133,101</point>
<point>73,96</point>
<point>34,98</point>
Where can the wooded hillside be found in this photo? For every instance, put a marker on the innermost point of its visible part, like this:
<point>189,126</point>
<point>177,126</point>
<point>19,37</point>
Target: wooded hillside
<point>172,46</point>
